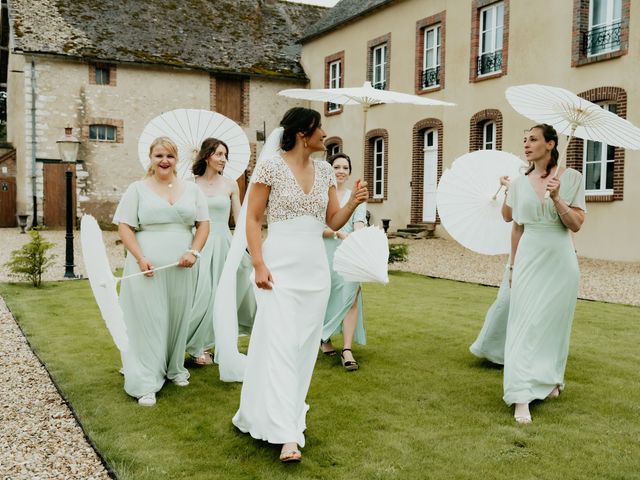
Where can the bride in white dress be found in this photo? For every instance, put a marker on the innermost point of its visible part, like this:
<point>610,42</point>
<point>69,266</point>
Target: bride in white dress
<point>298,195</point>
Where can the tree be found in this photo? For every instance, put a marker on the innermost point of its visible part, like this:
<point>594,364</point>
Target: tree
<point>30,261</point>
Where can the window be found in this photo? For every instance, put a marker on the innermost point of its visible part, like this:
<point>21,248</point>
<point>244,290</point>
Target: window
<point>378,167</point>
<point>489,136</point>
<point>599,161</point>
<point>102,75</point>
<point>335,75</point>
<point>491,36</point>
<point>426,169</point>
<point>431,62</point>
<point>605,27</point>
<point>103,133</point>
<point>332,149</point>
<point>379,64</point>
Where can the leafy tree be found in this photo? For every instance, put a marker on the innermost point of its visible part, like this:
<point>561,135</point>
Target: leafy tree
<point>30,261</point>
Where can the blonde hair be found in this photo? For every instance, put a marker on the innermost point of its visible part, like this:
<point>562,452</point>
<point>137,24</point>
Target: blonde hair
<point>166,143</point>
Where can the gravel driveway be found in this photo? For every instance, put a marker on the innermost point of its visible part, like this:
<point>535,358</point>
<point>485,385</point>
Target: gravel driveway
<point>39,437</point>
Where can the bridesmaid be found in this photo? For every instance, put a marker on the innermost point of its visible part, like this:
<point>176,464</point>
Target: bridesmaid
<point>292,277</point>
<point>222,196</point>
<point>545,273</point>
<point>155,219</point>
<point>344,310</point>
<point>490,341</point>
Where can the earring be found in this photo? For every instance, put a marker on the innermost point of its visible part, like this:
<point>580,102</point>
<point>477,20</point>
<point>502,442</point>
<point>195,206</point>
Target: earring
<point>305,144</point>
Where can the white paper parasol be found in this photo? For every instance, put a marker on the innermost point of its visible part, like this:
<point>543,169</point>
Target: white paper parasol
<point>188,128</point>
<point>103,283</point>
<point>363,256</point>
<point>572,115</point>
<point>469,200</point>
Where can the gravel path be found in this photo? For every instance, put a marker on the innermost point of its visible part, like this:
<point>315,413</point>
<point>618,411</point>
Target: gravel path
<point>40,438</point>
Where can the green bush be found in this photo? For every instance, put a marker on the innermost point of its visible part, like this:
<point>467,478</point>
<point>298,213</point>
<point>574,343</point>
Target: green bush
<point>30,261</point>
<point>398,252</point>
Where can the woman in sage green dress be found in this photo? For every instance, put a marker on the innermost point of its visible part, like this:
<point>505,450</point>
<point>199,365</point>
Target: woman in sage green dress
<point>545,273</point>
<point>344,309</point>
<point>155,220</point>
<point>222,196</point>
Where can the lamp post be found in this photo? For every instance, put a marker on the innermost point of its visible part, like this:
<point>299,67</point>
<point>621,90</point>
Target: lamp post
<point>68,147</point>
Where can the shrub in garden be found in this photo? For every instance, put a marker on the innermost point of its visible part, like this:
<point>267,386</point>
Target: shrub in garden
<point>398,252</point>
<point>30,261</point>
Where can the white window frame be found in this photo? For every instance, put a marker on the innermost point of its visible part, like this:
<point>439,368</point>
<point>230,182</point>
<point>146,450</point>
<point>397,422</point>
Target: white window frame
<point>489,143</point>
<point>497,32</point>
<point>429,175</point>
<point>333,148</point>
<point>436,31</point>
<point>335,75</point>
<point>379,68</point>
<point>102,133</point>
<point>609,20</point>
<point>605,163</point>
<point>378,167</point>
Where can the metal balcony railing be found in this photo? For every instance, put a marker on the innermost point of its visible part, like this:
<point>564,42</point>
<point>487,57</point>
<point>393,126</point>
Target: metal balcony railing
<point>431,77</point>
<point>490,62</point>
<point>380,85</point>
<point>602,39</point>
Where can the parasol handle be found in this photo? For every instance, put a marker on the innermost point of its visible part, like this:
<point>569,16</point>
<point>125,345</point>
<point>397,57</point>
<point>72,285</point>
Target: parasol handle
<point>495,195</point>
<point>563,155</point>
<point>147,271</point>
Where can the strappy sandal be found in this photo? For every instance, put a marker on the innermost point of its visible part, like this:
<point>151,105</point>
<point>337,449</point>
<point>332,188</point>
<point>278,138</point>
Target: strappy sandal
<point>204,359</point>
<point>293,455</point>
<point>555,393</point>
<point>349,365</point>
<point>523,419</point>
<point>328,353</point>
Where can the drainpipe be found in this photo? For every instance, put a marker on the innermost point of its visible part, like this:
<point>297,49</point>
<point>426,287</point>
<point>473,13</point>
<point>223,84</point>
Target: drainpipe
<point>34,222</point>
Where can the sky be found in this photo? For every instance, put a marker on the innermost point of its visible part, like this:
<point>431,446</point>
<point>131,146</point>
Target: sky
<point>324,3</point>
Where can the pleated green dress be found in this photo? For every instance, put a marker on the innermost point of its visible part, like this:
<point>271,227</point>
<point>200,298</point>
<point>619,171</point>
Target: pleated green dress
<point>343,293</point>
<point>156,309</point>
<point>201,336</point>
<point>544,291</point>
<point>491,339</point>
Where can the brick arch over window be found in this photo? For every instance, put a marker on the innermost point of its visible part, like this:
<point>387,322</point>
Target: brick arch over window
<point>476,124</point>
<point>575,150</point>
<point>368,162</point>
<point>417,165</point>
<point>334,141</point>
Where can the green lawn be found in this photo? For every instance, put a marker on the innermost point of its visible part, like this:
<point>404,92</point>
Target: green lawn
<point>420,407</point>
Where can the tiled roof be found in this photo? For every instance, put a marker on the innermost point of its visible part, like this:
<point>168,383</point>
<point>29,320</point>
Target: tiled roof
<point>343,12</point>
<point>254,37</point>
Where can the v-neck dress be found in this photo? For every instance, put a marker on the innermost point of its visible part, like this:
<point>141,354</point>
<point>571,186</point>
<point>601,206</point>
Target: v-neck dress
<point>544,290</point>
<point>156,309</point>
<point>288,323</point>
<point>343,293</point>
<point>201,335</point>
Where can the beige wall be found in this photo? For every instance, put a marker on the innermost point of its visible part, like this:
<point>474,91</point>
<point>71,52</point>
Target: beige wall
<point>64,97</point>
<point>539,52</point>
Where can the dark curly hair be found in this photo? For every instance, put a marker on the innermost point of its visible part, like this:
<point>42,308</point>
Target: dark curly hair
<point>298,119</point>
<point>338,155</point>
<point>550,135</point>
<point>208,148</point>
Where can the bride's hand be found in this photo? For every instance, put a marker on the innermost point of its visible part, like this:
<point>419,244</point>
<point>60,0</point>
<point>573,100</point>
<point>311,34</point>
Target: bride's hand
<point>263,277</point>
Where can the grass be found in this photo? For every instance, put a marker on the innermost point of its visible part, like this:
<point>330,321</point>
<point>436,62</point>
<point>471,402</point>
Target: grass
<point>420,407</point>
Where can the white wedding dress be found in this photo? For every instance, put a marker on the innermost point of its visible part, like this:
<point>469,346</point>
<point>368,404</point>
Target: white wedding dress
<point>288,323</point>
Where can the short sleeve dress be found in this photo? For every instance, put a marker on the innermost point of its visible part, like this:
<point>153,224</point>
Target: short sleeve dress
<point>288,323</point>
<point>544,290</point>
<point>156,309</point>
<point>343,293</point>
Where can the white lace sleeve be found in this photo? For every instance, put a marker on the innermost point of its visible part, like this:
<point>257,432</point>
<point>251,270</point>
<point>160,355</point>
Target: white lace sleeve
<point>264,172</point>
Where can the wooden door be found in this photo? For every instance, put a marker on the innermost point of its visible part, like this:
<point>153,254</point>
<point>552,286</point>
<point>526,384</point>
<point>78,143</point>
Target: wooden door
<point>8,202</point>
<point>229,97</point>
<point>55,194</point>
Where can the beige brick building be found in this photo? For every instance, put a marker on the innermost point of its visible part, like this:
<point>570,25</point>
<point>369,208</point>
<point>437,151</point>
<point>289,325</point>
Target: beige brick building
<point>469,52</point>
<point>106,68</point>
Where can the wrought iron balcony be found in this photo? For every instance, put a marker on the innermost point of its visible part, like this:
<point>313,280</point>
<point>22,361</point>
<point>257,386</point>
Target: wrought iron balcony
<point>490,62</point>
<point>380,85</point>
<point>602,39</point>
<point>431,77</point>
